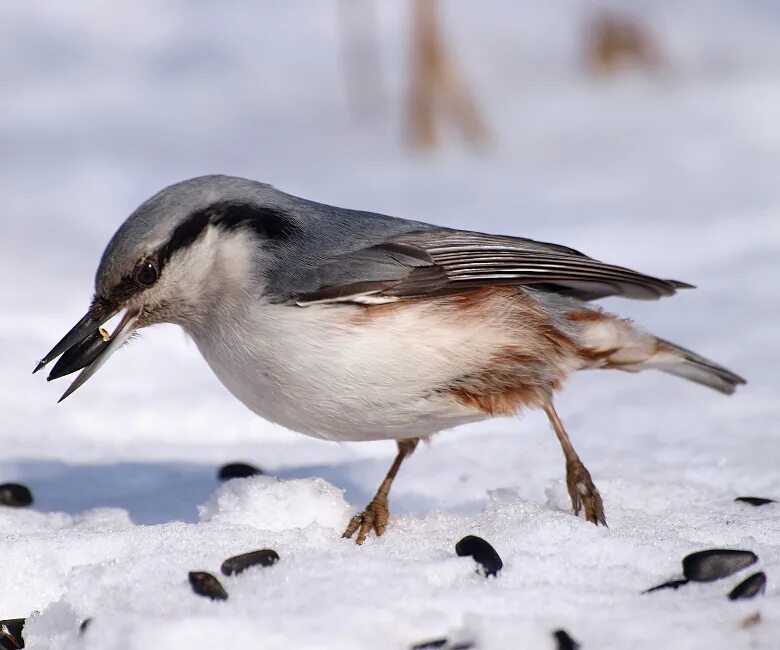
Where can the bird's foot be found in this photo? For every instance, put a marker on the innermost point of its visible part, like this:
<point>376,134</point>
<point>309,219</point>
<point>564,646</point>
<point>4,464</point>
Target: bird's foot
<point>374,517</point>
<point>584,493</point>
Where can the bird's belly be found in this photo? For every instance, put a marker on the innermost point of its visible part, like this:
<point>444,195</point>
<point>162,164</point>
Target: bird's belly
<point>335,404</point>
<point>308,371</point>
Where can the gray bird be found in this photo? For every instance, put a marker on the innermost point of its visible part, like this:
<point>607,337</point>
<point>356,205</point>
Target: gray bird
<point>349,325</point>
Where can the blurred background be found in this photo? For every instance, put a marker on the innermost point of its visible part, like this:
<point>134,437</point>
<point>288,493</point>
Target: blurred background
<point>643,133</point>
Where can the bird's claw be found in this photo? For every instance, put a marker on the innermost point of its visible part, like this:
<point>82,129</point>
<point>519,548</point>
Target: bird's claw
<point>584,494</point>
<point>374,517</point>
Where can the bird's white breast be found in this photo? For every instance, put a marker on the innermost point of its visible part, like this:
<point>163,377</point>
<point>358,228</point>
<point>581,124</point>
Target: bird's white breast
<point>330,372</point>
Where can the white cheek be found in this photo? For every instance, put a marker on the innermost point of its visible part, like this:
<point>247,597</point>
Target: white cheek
<point>216,266</point>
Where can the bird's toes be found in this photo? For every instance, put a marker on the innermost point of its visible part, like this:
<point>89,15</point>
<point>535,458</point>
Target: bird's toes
<point>365,527</point>
<point>353,525</point>
<point>374,517</point>
<point>584,494</point>
<point>576,499</point>
<point>594,509</point>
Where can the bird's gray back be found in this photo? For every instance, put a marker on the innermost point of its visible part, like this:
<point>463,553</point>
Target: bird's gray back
<point>328,233</point>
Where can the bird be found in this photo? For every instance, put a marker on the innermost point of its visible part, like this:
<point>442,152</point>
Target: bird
<point>349,325</point>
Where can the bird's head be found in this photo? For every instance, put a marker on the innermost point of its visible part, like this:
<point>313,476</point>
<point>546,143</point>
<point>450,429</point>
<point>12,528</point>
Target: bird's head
<point>182,252</point>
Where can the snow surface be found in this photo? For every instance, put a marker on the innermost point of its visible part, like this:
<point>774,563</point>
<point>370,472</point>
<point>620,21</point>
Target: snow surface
<point>105,103</point>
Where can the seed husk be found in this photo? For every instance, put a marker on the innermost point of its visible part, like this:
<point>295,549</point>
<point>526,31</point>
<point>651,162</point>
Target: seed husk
<point>672,584</point>
<point>482,552</point>
<point>238,563</point>
<point>237,470</point>
<point>205,584</point>
<point>15,495</point>
<point>11,634</point>
<point>564,641</point>
<point>80,355</point>
<point>432,644</point>
<point>750,587</point>
<point>442,644</point>
<point>716,563</point>
<point>755,501</point>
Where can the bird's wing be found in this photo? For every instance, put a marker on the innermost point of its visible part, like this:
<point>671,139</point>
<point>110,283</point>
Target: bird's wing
<point>444,262</point>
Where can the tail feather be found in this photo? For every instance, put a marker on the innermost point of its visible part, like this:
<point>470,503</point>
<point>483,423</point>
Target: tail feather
<point>676,360</point>
<point>612,342</point>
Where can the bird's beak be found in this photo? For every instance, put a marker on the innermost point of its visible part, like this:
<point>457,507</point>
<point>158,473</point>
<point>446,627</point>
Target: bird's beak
<point>88,346</point>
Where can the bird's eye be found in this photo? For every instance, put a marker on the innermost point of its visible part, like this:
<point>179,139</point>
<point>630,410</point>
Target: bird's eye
<point>146,273</point>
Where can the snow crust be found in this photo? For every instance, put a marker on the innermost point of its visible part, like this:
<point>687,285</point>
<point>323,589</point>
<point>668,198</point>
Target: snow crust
<point>675,175</point>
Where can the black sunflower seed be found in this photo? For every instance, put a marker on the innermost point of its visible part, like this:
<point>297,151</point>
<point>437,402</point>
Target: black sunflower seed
<point>11,634</point>
<point>564,641</point>
<point>205,584</point>
<point>238,563</point>
<point>15,495</point>
<point>755,501</point>
<point>79,356</point>
<point>482,552</point>
<point>443,644</point>
<point>237,470</point>
<point>672,584</point>
<point>716,563</point>
<point>84,625</point>
<point>749,587</point>
<point>430,645</point>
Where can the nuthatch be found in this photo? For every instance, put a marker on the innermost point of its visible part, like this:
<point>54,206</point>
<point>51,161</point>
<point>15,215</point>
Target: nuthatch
<point>348,325</point>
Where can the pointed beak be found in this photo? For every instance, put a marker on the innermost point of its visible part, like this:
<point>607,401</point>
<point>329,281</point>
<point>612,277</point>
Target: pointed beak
<point>88,346</point>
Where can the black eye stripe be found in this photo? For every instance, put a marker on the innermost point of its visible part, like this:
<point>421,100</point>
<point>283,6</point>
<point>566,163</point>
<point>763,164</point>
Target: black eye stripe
<point>271,225</point>
<point>184,235</point>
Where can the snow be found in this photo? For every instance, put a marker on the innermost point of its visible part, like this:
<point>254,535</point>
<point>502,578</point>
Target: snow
<point>675,175</point>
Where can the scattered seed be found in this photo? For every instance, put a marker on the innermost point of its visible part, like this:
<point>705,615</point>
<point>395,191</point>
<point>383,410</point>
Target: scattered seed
<point>716,563</point>
<point>84,625</point>
<point>749,587</point>
<point>205,584</point>
<point>564,641</point>
<point>431,645</point>
<point>755,501</point>
<point>443,644</point>
<point>238,563</point>
<point>15,495</point>
<point>750,620</point>
<point>237,470</point>
<point>482,552</point>
<point>11,634</point>
<point>672,584</point>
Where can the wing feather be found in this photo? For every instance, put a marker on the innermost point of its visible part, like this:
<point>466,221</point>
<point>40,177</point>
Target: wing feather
<point>442,261</point>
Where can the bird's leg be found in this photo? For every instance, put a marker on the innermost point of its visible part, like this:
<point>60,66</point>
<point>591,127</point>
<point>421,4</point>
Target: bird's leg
<point>582,491</point>
<point>376,513</point>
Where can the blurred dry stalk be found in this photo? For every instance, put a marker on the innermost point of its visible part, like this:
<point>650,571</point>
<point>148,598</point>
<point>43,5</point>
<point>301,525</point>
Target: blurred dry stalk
<point>437,86</point>
<point>357,19</point>
<point>616,43</point>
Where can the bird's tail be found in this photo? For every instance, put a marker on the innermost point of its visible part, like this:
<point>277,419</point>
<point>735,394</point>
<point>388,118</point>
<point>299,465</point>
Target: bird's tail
<point>616,343</point>
<point>678,361</point>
